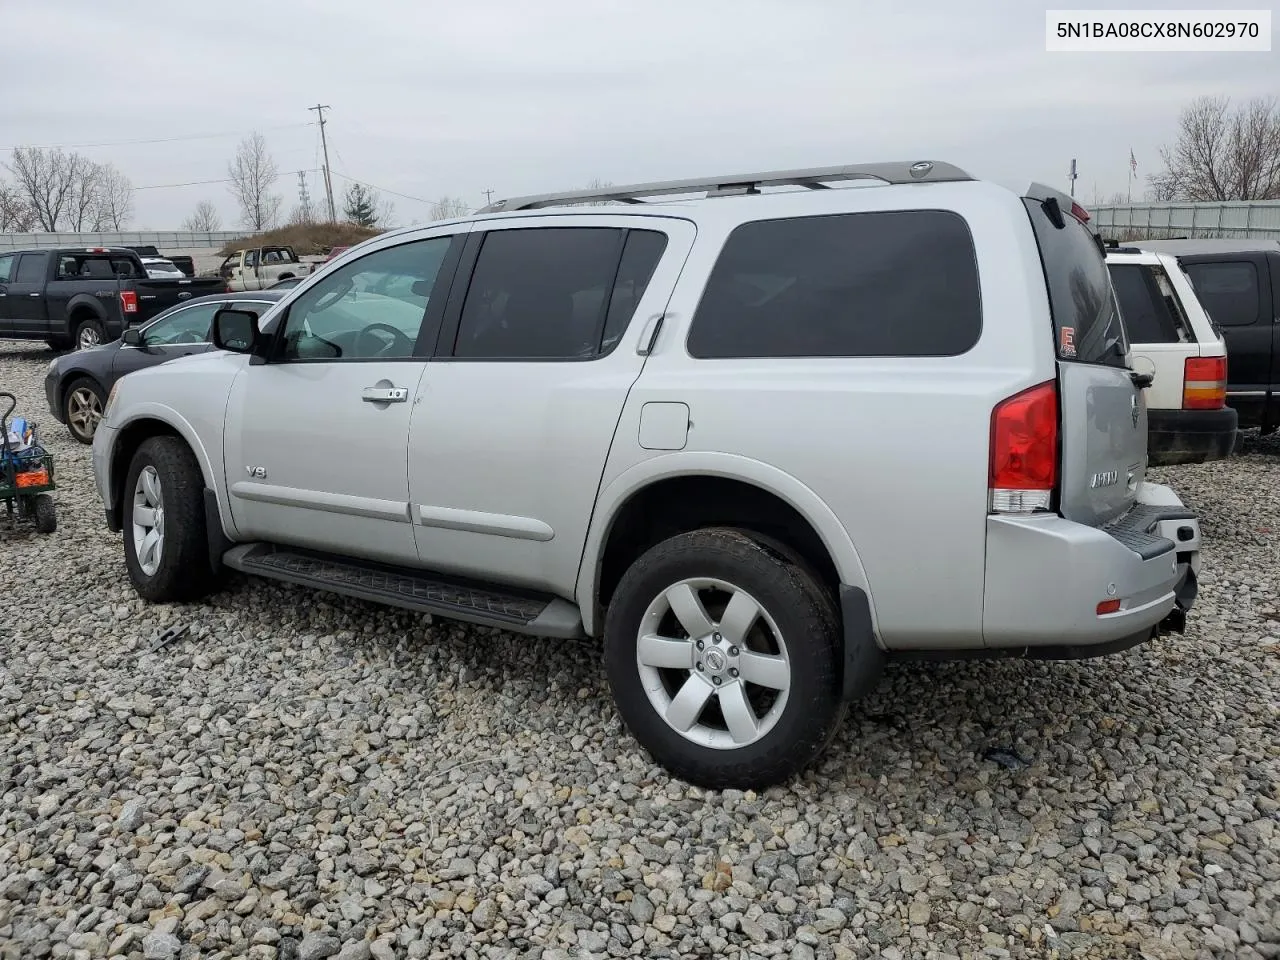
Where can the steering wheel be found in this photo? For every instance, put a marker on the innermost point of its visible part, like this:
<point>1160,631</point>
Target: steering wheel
<point>384,346</point>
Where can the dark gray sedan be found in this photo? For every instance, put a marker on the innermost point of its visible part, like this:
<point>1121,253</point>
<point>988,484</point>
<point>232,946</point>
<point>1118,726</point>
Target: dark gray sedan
<point>77,383</point>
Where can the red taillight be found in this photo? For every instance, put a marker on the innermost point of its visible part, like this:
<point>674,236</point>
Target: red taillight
<point>1024,451</point>
<point>1079,212</point>
<point>1204,383</point>
<point>1108,606</point>
<point>129,301</point>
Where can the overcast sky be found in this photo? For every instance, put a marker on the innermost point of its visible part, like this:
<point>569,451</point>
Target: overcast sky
<point>432,98</point>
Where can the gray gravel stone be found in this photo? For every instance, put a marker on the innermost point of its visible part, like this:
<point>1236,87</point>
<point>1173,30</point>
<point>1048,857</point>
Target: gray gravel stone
<point>160,946</point>
<point>317,946</point>
<point>306,773</point>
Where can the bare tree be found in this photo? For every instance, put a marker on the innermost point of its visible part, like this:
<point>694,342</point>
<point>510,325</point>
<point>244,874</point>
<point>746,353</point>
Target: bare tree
<point>447,208</point>
<point>204,219</point>
<point>83,211</point>
<point>44,179</point>
<point>1222,154</point>
<point>115,199</point>
<point>300,216</point>
<point>252,173</point>
<point>15,213</point>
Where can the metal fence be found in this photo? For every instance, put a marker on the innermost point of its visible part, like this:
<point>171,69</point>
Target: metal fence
<point>1245,220</point>
<point>160,239</point>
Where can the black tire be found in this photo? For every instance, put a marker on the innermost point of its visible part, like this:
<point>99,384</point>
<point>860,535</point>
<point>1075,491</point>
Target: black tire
<point>58,343</point>
<point>89,329</point>
<point>46,513</point>
<point>806,618</point>
<point>82,404</point>
<point>183,571</point>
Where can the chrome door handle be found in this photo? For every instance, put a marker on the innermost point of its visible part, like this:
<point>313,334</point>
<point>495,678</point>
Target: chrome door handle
<point>33,294</point>
<point>385,394</point>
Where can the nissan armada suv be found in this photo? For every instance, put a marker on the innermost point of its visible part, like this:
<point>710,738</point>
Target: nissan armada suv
<point>757,433</point>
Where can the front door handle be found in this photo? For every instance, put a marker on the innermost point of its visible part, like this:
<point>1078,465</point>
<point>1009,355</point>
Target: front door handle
<point>385,394</point>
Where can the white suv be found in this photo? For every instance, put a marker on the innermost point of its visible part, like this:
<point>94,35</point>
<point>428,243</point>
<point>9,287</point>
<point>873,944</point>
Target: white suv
<point>1175,342</point>
<point>758,441</point>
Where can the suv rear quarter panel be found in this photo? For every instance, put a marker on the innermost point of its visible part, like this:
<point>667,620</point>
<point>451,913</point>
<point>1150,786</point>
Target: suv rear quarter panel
<point>893,450</point>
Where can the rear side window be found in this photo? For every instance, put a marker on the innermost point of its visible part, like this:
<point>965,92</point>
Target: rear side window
<point>31,268</point>
<point>1228,291</point>
<point>1087,324</point>
<point>558,293</point>
<point>6,267</point>
<point>894,284</point>
<point>1148,305</point>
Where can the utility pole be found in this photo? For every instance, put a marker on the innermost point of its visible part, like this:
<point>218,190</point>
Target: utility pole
<point>488,197</point>
<point>320,108</point>
<point>1072,178</point>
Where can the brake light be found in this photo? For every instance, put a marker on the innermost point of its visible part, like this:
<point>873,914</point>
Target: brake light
<point>1079,212</point>
<point>1024,451</point>
<point>129,301</point>
<point>1204,383</point>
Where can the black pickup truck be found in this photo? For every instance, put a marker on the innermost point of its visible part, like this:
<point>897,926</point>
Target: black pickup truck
<point>84,296</point>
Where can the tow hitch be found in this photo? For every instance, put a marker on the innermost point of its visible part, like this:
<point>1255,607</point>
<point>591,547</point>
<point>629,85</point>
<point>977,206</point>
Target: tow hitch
<point>1184,596</point>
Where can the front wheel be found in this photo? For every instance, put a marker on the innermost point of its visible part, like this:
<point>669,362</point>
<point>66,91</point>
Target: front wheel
<point>82,409</point>
<point>165,543</point>
<point>723,656</point>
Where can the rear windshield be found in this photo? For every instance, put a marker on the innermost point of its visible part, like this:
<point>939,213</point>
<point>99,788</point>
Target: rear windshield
<point>1086,319</point>
<point>1148,304</point>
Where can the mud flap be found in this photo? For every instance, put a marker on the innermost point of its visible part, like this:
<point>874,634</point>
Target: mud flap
<point>863,658</point>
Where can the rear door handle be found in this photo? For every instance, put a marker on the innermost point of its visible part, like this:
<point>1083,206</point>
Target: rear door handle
<point>385,394</point>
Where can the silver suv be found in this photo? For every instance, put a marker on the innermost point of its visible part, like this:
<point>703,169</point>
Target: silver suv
<point>756,432</point>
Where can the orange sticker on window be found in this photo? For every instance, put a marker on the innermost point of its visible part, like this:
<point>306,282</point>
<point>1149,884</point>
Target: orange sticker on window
<point>1067,342</point>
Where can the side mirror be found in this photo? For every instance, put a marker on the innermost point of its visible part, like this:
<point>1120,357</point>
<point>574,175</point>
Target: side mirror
<point>235,330</point>
<point>132,337</point>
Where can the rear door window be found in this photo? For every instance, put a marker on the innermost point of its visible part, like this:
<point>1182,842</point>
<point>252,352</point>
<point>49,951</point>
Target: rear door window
<point>1227,290</point>
<point>891,284</point>
<point>31,268</point>
<point>1086,318</point>
<point>1148,306</point>
<point>540,294</point>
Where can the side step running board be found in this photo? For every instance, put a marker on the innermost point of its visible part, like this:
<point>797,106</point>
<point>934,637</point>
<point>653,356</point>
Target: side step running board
<point>516,610</point>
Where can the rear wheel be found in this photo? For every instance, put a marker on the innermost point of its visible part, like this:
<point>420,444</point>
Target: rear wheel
<point>724,659</point>
<point>89,333</point>
<point>58,343</point>
<point>165,543</point>
<point>82,408</point>
<point>46,513</point>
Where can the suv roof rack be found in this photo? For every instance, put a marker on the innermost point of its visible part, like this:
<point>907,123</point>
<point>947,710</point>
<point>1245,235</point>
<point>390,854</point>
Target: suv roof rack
<point>815,178</point>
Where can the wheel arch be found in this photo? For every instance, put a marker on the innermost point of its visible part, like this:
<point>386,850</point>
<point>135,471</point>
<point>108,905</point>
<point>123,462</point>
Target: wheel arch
<point>83,307</point>
<point>758,482</point>
<point>147,421</point>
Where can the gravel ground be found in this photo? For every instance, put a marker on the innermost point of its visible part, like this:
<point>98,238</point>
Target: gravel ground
<point>308,777</point>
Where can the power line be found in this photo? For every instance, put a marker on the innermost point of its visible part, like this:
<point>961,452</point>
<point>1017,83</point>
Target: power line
<point>122,143</point>
<point>200,183</point>
<point>374,186</point>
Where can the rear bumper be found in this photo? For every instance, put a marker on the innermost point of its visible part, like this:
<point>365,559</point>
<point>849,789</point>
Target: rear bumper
<point>1046,575</point>
<point>1190,436</point>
